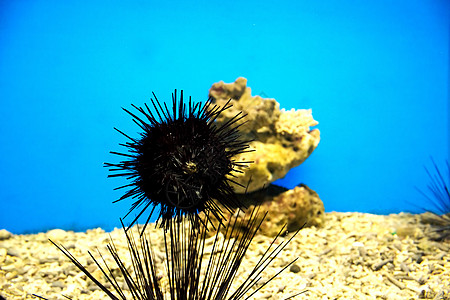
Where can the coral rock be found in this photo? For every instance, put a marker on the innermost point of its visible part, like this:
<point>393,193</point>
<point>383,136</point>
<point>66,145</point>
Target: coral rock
<point>282,139</point>
<point>295,208</point>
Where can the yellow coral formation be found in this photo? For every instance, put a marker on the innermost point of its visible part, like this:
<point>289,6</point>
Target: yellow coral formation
<point>295,122</point>
<point>282,139</point>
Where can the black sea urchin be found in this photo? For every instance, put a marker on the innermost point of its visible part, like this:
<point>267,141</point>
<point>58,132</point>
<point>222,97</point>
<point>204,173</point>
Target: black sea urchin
<point>181,161</point>
<point>438,195</point>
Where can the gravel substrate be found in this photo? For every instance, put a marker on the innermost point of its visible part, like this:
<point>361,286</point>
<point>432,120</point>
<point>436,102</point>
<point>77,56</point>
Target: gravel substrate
<point>354,256</point>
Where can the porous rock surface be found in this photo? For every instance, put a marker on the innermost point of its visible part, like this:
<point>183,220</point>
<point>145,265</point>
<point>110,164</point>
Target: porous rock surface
<point>296,208</point>
<point>288,209</point>
<point>281,139</point>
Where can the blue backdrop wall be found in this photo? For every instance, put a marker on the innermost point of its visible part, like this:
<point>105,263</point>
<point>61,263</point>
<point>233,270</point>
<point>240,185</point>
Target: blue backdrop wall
<point>375,74</point>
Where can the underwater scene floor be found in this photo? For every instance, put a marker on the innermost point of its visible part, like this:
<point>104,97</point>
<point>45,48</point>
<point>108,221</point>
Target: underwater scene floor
<point>353,256</point>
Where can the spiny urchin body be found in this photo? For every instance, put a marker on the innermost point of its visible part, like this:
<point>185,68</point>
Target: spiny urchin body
<point>181,161</point>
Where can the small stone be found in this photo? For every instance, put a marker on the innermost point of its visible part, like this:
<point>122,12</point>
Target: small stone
<point>281,288</point>
<point>70,246</point>
<point>92,288</point>
<point>48,259</point>
<point>13,252</point>
<point>422,280</point>
<point>294,268</point>
<point>357,244</point>
<point>404,267</point>
<point>380,264</point>
<point>70,289</point>
<point>56,234</point>
<point>5,234</point>
<point>59,284</point>
<point>3,253</point>
<point>417,257</point>
<point>11,275</point>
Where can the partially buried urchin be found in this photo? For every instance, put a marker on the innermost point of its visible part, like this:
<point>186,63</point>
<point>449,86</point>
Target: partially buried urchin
<point>181,161</point>
<point>438,194</point>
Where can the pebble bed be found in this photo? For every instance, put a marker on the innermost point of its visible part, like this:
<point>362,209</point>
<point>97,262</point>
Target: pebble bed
<point>354,256</point>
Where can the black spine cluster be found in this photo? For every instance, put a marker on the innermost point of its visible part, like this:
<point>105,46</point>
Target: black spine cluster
<point>192,273</point>
<point>438,195</point>
<point>181,161</point>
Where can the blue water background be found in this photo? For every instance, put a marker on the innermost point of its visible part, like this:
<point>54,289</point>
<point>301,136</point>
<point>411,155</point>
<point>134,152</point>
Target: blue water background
<point>375,73</point>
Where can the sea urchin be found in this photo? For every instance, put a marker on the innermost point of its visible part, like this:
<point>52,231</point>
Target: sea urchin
<point>438,195</point>
<point>181,161</point>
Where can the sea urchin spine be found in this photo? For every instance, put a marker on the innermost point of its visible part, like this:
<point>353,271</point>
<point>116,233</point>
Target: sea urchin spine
<point>181,161</point>
<point>438,195</point>
<point>192,271</point>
